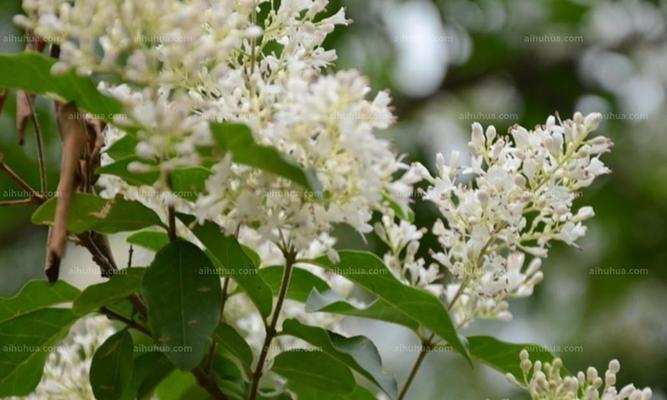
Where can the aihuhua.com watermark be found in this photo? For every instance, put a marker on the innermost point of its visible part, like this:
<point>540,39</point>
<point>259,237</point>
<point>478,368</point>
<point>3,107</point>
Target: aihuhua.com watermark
<point>146,348</point>
<point>610,116</point>
<point>619,271</point>
<point>553,349</point>
<point>84,116</point>
<point>360,270</point>
<point>30,38</point>
<point>552,38</point>
<point>245,270</point>
<point>294,194</point>
<point>483,116</point>
<point>22,194</point>
<point>419,38</point>
<point>164,39</point>
<point>418,348</point>
<point>25,348</point>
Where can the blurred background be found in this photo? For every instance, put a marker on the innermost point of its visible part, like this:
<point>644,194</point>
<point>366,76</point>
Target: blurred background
<point>447,64</point>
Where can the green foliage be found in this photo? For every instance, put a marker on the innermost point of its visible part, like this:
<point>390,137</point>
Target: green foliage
<point>368,271</point>
<point>148,371</point>
<point>316,370</point>
<point>118,287</point>
<point>358,352</point>
<point>119,168</point>
<point>111,368</point>
<point>27,328</point>
<point>32,72</point>
<point>330,301</point>
<point>237,139</point>
<point>150,240</point>
<point>505,356</point>
<point>232,261</point>
<point>93,213</point>
<point>233,343</point>
<point>183,299</point>
<point>301,282</point>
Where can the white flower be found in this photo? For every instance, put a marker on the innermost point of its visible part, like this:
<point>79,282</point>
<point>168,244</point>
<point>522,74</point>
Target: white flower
<point>545,382</point>
<point>518,199</point>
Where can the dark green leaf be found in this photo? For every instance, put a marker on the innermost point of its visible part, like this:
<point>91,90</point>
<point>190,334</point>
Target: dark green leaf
<point>123,147</point>
<point>92,213</point>
<point>111,368</point>
<point>32,72</point>
<point>315,369</point>
<point>230,260</point>
<point>189,182</point>
<point>36,295</point>
<point>368,271</point>
<point>232,342</point>
<point>149,370</point>
<point>309,393</point>
<point>150,240</point>
<point>124,283</point>
<point>358,352</point>
<point>184,301</point>
<point>26,340</point>
<point>330,301</point>
<point>237,139</point>
<point>301,283</point>
<point>504,356</point>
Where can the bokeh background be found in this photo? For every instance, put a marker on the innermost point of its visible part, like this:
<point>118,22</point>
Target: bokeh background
<point>448,63</point>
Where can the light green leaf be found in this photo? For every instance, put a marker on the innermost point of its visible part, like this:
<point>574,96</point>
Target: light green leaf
<point>92,213</point>
<point>149,370</point>
<point>187,183</point>
<point>504,356</point>
<point>119,169</point>
<point>26,342</point>
<point>150,240</point>
<point>368,271</point>
<point>301,282</point>
<point>184,301</point>
<point>330,301</point>
<point>233,343</point>
<point>122,284</point>
<point>32,72</point>
<point>231,261</point>
<point>111,367</point>
<point>358,352</point>
<point>179,386</point>
<point>315,369</point>
<point>36,295</point>
<point>123,147</point>
<point>237,139</point>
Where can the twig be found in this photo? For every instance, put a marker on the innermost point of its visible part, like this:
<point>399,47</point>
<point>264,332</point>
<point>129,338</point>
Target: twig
<point>271,329</point>
<point>206,381</point>
<point>22,202</point>
<point>129,256</point>
<point>40,147</point>
<point>129,322</point>
<point>36,196</point>
<point>425,349</point>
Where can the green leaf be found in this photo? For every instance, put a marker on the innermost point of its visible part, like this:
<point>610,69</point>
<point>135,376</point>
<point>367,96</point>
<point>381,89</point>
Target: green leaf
<point>150,240</point>
<point>330,301</point>
<point>32,72</point>
<point>232,342</point>
<point>177,386</point>
<point>111,368</point>
<point>309,393</point>
<point>123,147</point>
<point>504,356</point>
<point>368,271</point>
<point>36,295</point>
<point>149,370</point>
<point>237,139</point>
<point>92,213</point>
<point>231,261</point>
<point>122,284</point>
<point>26,340</point>
<point>358,352</point>
<point>184,301</point>
<point>301,282</point>
<point>187,183</point>
<point>119,169</point>
<point>315,369</point>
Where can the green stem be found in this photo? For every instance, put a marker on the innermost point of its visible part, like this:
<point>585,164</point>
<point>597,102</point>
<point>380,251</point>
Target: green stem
<point>271,329</point>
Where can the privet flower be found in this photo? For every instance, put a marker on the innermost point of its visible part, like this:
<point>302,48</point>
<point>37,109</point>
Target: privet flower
<point>545,382</point>
<point>509,204</point>
<point>184,64</point>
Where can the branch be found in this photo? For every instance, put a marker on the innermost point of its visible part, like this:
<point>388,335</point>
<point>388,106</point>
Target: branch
<point>271,329</point>
<point>208,383</point>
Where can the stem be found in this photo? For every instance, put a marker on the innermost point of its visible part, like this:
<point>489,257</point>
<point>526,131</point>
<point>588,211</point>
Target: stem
<point>132,324</point>
<point>271,329</point>
<point>16,178</point>
<point>40,147</point>
<point>206,381</point>
<point>425,349</point>
<point>172,224</point>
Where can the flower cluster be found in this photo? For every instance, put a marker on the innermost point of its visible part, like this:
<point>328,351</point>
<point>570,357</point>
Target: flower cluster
<point>183,64</point>
<point>544,381</point>
<point>515,198</point>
